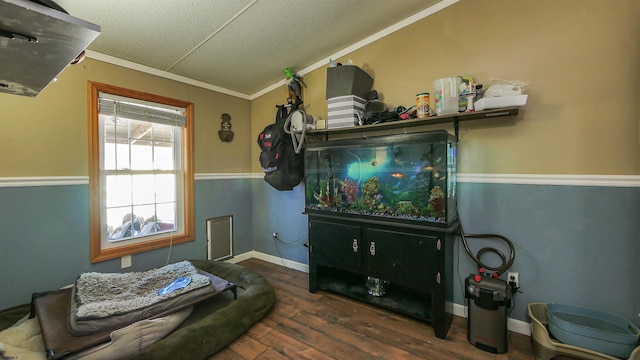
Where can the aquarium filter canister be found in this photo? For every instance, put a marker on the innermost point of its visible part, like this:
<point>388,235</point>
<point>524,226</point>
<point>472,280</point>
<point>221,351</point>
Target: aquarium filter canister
<point>489,298</point>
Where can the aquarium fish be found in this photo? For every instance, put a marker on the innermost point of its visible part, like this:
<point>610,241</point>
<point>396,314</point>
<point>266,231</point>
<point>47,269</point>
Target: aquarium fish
<point>374,163</point>
<point>434,171</point>
<point>397,175</point>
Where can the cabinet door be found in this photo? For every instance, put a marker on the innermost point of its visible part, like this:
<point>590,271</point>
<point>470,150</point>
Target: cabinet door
<point>334,243</point>
<point>407,258</point>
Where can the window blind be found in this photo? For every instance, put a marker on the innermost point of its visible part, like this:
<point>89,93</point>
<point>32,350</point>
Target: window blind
<point>122,107</point>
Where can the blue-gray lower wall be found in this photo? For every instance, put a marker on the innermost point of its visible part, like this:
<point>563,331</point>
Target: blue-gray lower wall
<point>279,212</point>
<point>44,239</point>
<point>574,244</point>
<point>44,235</point>
<point>219,197</point>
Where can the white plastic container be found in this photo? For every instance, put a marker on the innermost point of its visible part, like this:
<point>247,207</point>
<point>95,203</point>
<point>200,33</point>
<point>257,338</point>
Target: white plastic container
<point>446,93</point>
<point>500,102</point>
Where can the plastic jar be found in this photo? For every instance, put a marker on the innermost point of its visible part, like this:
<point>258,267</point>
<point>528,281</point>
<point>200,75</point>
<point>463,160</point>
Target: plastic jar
<point>422,105</point>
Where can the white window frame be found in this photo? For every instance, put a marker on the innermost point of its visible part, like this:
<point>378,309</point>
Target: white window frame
<point>100,248</point>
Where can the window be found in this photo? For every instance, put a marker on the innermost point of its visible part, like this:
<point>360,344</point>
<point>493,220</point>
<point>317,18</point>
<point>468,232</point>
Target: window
<point>140,171</point>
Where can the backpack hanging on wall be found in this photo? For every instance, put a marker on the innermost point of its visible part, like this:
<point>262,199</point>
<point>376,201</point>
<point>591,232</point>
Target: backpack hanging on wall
<point>283,168</point>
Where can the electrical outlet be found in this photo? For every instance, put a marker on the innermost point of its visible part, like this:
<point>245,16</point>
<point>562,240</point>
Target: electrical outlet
<point>125,261</point>
<point>513,277</point>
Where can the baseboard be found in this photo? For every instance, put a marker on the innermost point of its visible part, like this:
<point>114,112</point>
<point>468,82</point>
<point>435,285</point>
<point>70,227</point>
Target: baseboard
<point>239,258</point>
<point>271,259</point>
<point>518,326</point>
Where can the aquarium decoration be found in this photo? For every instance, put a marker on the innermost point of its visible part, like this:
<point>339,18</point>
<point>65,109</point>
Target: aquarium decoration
<point>407,178</point>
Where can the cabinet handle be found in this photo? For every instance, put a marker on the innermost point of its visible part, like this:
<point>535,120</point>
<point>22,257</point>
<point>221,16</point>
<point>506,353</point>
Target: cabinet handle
<point>372,248</point>
<point>438,277</point>
<point>355,245</point>
<point>438,244</point>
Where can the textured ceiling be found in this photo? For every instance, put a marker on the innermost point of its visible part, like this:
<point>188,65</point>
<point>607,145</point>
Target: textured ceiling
<point>240,45</point>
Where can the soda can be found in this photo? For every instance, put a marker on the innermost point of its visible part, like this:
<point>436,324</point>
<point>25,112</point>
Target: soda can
<point>422,100</point>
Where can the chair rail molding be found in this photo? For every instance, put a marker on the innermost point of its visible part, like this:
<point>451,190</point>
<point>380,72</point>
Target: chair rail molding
<point>516,179</point>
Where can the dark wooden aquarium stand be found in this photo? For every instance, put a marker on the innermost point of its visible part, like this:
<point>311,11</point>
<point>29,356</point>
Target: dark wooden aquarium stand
<point>416,260</point>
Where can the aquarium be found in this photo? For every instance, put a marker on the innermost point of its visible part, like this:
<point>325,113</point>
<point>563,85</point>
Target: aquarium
<point>407,178</point>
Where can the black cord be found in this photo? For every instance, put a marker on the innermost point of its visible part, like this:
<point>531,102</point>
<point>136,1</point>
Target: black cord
<point>276,239</point>
<point>513,301</point>
<point>464,293</point>
<point>506,264</point>
<point>287,243</point>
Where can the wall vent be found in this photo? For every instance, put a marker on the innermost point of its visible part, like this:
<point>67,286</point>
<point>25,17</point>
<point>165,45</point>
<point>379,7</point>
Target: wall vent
<point>220,237</point>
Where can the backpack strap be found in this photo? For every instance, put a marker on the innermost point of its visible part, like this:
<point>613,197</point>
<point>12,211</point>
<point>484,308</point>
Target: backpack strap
<point>282,113</point>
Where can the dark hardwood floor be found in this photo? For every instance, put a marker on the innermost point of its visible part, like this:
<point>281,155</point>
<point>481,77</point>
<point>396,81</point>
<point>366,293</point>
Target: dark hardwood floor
<point>320,326</point>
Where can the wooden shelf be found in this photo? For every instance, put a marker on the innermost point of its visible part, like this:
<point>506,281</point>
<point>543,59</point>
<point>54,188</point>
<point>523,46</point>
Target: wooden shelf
<point>433,120</point>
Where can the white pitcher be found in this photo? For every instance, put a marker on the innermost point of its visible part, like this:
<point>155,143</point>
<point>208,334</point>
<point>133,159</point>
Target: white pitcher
<point>446,92</point>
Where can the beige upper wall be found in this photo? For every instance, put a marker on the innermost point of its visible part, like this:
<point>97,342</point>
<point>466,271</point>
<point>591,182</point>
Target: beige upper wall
<point>582,60</point>
<point>581,57</point>
<point>47,135</point>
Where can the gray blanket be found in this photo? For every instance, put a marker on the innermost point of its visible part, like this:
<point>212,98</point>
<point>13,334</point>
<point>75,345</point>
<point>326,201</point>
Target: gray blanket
<point>100,295</point>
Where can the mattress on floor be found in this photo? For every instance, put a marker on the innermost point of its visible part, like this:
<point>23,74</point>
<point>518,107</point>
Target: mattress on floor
<point>106,302</point>
<point>53,312</point>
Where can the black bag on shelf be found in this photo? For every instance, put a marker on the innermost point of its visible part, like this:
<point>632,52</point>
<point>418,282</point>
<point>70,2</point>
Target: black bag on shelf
<point>377,112</point>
